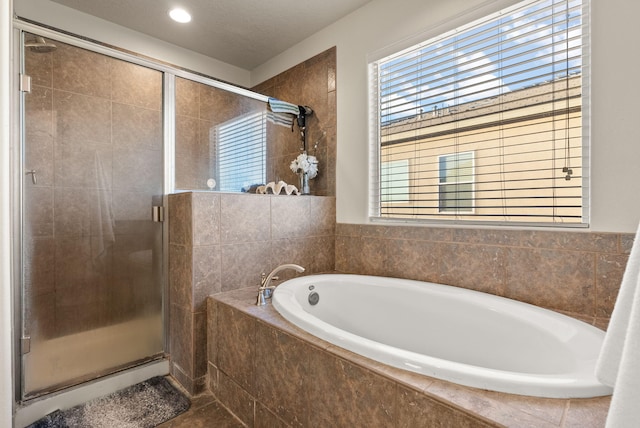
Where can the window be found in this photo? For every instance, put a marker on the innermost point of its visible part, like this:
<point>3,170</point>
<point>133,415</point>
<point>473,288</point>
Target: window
<point>396,175</point>
<point>489,117</point>
<point>242,151</point>
<point>455,186</point>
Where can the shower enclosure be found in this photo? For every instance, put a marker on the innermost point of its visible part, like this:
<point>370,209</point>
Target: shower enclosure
<point>92,256</point>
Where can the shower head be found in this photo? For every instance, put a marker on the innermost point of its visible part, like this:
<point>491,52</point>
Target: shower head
<point>40,45</point>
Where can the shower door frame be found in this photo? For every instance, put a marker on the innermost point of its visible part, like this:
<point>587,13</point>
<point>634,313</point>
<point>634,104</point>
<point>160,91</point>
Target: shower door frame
<point>18,175</point>
<point>170,72</point>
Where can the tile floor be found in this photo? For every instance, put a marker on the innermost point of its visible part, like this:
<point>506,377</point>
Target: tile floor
<point>205,411</point>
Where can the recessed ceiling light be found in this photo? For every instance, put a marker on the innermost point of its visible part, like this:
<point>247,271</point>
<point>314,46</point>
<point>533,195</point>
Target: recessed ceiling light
<point>180,15</point>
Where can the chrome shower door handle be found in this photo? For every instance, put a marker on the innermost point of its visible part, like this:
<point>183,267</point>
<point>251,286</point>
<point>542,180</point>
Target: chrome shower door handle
<point>34,179</point>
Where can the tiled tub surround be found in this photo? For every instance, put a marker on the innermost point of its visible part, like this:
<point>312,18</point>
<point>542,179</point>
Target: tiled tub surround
<point>224,241</point>
<point>577,273</point>
<point>271,374</point>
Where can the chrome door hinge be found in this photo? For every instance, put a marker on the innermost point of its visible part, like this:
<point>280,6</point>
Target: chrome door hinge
<point>157,213</point>
<point>25,83</point>
<point>25,344</point>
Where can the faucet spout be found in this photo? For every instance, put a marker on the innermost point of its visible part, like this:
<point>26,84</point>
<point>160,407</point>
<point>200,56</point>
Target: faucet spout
<point>266,289</point>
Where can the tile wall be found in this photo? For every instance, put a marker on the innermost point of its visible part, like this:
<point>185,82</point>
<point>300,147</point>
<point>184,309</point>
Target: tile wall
<point>224,241</point>
<point>311,83</point>
<point>573,272</point>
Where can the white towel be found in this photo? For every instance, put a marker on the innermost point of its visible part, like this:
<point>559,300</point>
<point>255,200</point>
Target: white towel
<point>278,106</point>
<point>282,119</point>
<point>619,362</point>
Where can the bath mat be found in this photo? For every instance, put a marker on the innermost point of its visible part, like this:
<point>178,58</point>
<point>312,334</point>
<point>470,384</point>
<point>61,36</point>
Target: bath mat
<point>146,404</point>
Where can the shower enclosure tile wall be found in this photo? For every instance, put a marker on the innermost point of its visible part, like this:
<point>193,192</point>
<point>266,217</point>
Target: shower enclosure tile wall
<point>312,83</point>
<point>92,257</point>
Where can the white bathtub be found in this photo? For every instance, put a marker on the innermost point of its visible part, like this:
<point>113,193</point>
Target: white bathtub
<point>463,336</point>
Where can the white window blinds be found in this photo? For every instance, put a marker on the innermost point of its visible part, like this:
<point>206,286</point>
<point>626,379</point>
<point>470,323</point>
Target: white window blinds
<point>242,151</point>
<point>491,120</point>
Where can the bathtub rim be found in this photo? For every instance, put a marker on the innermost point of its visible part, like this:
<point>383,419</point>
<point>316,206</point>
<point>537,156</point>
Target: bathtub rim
<point>581,384</point>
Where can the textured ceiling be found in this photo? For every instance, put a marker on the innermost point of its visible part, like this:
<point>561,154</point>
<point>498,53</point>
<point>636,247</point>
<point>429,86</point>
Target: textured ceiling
<point>244,33</point>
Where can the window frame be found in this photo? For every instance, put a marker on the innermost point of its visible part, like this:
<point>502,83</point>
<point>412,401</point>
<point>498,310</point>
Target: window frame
<point>441,31</point>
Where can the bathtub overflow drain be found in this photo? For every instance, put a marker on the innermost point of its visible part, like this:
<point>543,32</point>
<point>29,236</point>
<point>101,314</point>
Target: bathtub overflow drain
<point>314,298</point>
<point>312,287</point>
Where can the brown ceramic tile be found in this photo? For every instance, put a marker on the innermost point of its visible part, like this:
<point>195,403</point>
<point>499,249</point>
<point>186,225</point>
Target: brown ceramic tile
<point>39,265</point>
<point>39,156</point>
<point>626,242</point>
<point>81,71</point>
<point>236,346</point>
<point>185,382</point>
<point>244,218</point>
<point>505,409</point>
<point>419,260</point>
<point>180,222</point>
<point>39,112</point>
<point>206,274</point>
<point>296,251</point>
<point>357,398</point>
<point>346,229</point>
<point>212,414</point>
<point>78,308</point>
<point>488,236</point>
<point>242,264</point>
<point>374,256</point>
<point>579,241</point>
<point>322,216</point>
<point>265,419</point>
<point>181,341</point>
<point>83,167</point>
<point>415,410</point>
<point>138,171</point>
<point>206,218</point>
<point>609,271</point>
<point>180,275</point>
<point>39,213</point>
<point>235,398</point>
<point>81,119</point>
<point>552,279</point>
<point>187,97</point>
<point>290,217</point>
<point>200,344</point>
<point>136,85</point>
<point>280,356</point>
<point>76,265</point>
<point>477,267</point>
<point>128,206</point>
<point>212,329</point>
<point>348,258</point>
<point>321,254</point>
<point>136,128</point>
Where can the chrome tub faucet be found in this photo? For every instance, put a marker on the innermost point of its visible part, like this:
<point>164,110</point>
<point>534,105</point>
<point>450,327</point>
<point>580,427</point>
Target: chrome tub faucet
<point>266,289</point>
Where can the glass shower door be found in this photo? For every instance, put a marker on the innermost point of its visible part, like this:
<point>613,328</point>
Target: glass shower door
<point>92,256</point>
